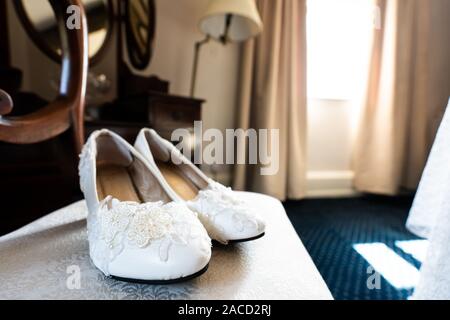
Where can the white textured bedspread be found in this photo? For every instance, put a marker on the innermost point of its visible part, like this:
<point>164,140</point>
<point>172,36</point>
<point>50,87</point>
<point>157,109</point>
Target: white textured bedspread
<point>42,260</point>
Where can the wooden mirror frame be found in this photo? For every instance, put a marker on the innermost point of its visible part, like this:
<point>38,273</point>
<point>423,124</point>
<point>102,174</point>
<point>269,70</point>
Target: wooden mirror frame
<point>130,39</point>
<point>45,48</point>
<point>68,108</point>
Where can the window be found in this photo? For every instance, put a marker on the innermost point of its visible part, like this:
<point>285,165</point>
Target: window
<point>338,34</point>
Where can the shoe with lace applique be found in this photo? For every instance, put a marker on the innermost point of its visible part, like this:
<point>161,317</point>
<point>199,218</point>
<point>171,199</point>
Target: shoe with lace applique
<point>225,215</point>
<point>138,228</point>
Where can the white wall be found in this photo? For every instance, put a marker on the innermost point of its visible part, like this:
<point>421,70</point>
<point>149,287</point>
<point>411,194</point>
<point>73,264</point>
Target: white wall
<point>331,132</point>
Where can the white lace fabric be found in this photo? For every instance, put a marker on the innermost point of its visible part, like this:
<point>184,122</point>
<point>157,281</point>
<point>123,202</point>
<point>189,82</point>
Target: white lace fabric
<point>217,201</point>
<point>118,224</point>
<point>87,161</point>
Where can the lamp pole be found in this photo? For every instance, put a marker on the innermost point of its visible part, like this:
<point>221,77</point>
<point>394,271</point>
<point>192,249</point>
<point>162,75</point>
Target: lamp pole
<point>223,39</point>
<point>198,46</point>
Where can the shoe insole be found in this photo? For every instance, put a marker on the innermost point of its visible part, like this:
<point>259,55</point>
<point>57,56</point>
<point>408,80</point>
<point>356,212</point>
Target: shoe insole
<point>115,181</point>
<point>179,182</point>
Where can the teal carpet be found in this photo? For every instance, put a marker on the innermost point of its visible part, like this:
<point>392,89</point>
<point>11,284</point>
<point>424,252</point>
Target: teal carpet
<point>330,227</point>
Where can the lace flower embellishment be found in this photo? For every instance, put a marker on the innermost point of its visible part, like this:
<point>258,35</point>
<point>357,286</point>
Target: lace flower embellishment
<point>114,218</point>
<point>225,194</point>
<point>219,200</point>
<point>87,158</point>
<point>119,224</point>
<point>149,223</point>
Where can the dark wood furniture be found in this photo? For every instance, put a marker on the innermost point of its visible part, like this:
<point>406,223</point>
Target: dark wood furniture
<point>38,152</point>
<point>4,36</point>
<point>68,108</point>
<point>138,15</point>
<point>158,110</point>
<point>42,177</point>
<point>142,101</point>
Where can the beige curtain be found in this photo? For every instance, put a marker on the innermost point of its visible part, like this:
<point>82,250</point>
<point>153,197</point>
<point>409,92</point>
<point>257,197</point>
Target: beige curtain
<point>408,89</point>
<point>273,88</point>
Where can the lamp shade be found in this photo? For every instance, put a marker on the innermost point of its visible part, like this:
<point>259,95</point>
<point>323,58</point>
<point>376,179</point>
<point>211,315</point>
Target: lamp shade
<point>245,23</point>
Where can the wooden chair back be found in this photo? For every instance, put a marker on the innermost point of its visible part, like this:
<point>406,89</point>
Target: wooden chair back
<point>68,108</point>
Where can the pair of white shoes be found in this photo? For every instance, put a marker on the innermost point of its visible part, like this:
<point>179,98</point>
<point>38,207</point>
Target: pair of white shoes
<point>152,213</point>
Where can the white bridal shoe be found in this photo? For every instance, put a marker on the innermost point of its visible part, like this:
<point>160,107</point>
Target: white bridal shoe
<point>138,228</point>
<point>225,216</point>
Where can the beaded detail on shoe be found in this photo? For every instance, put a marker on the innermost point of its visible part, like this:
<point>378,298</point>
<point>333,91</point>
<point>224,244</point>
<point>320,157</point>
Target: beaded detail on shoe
<point>118,224</point>
<point>217,200</point>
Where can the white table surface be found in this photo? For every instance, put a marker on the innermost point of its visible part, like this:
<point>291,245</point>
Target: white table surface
<point>35,260</point>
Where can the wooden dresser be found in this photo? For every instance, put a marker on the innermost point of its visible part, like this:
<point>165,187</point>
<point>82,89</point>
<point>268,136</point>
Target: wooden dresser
<point>160,111</point>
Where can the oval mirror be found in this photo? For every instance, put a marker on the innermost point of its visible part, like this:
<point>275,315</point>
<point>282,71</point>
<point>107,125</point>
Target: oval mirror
<point>140,31</point>
<point>40,23</point>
